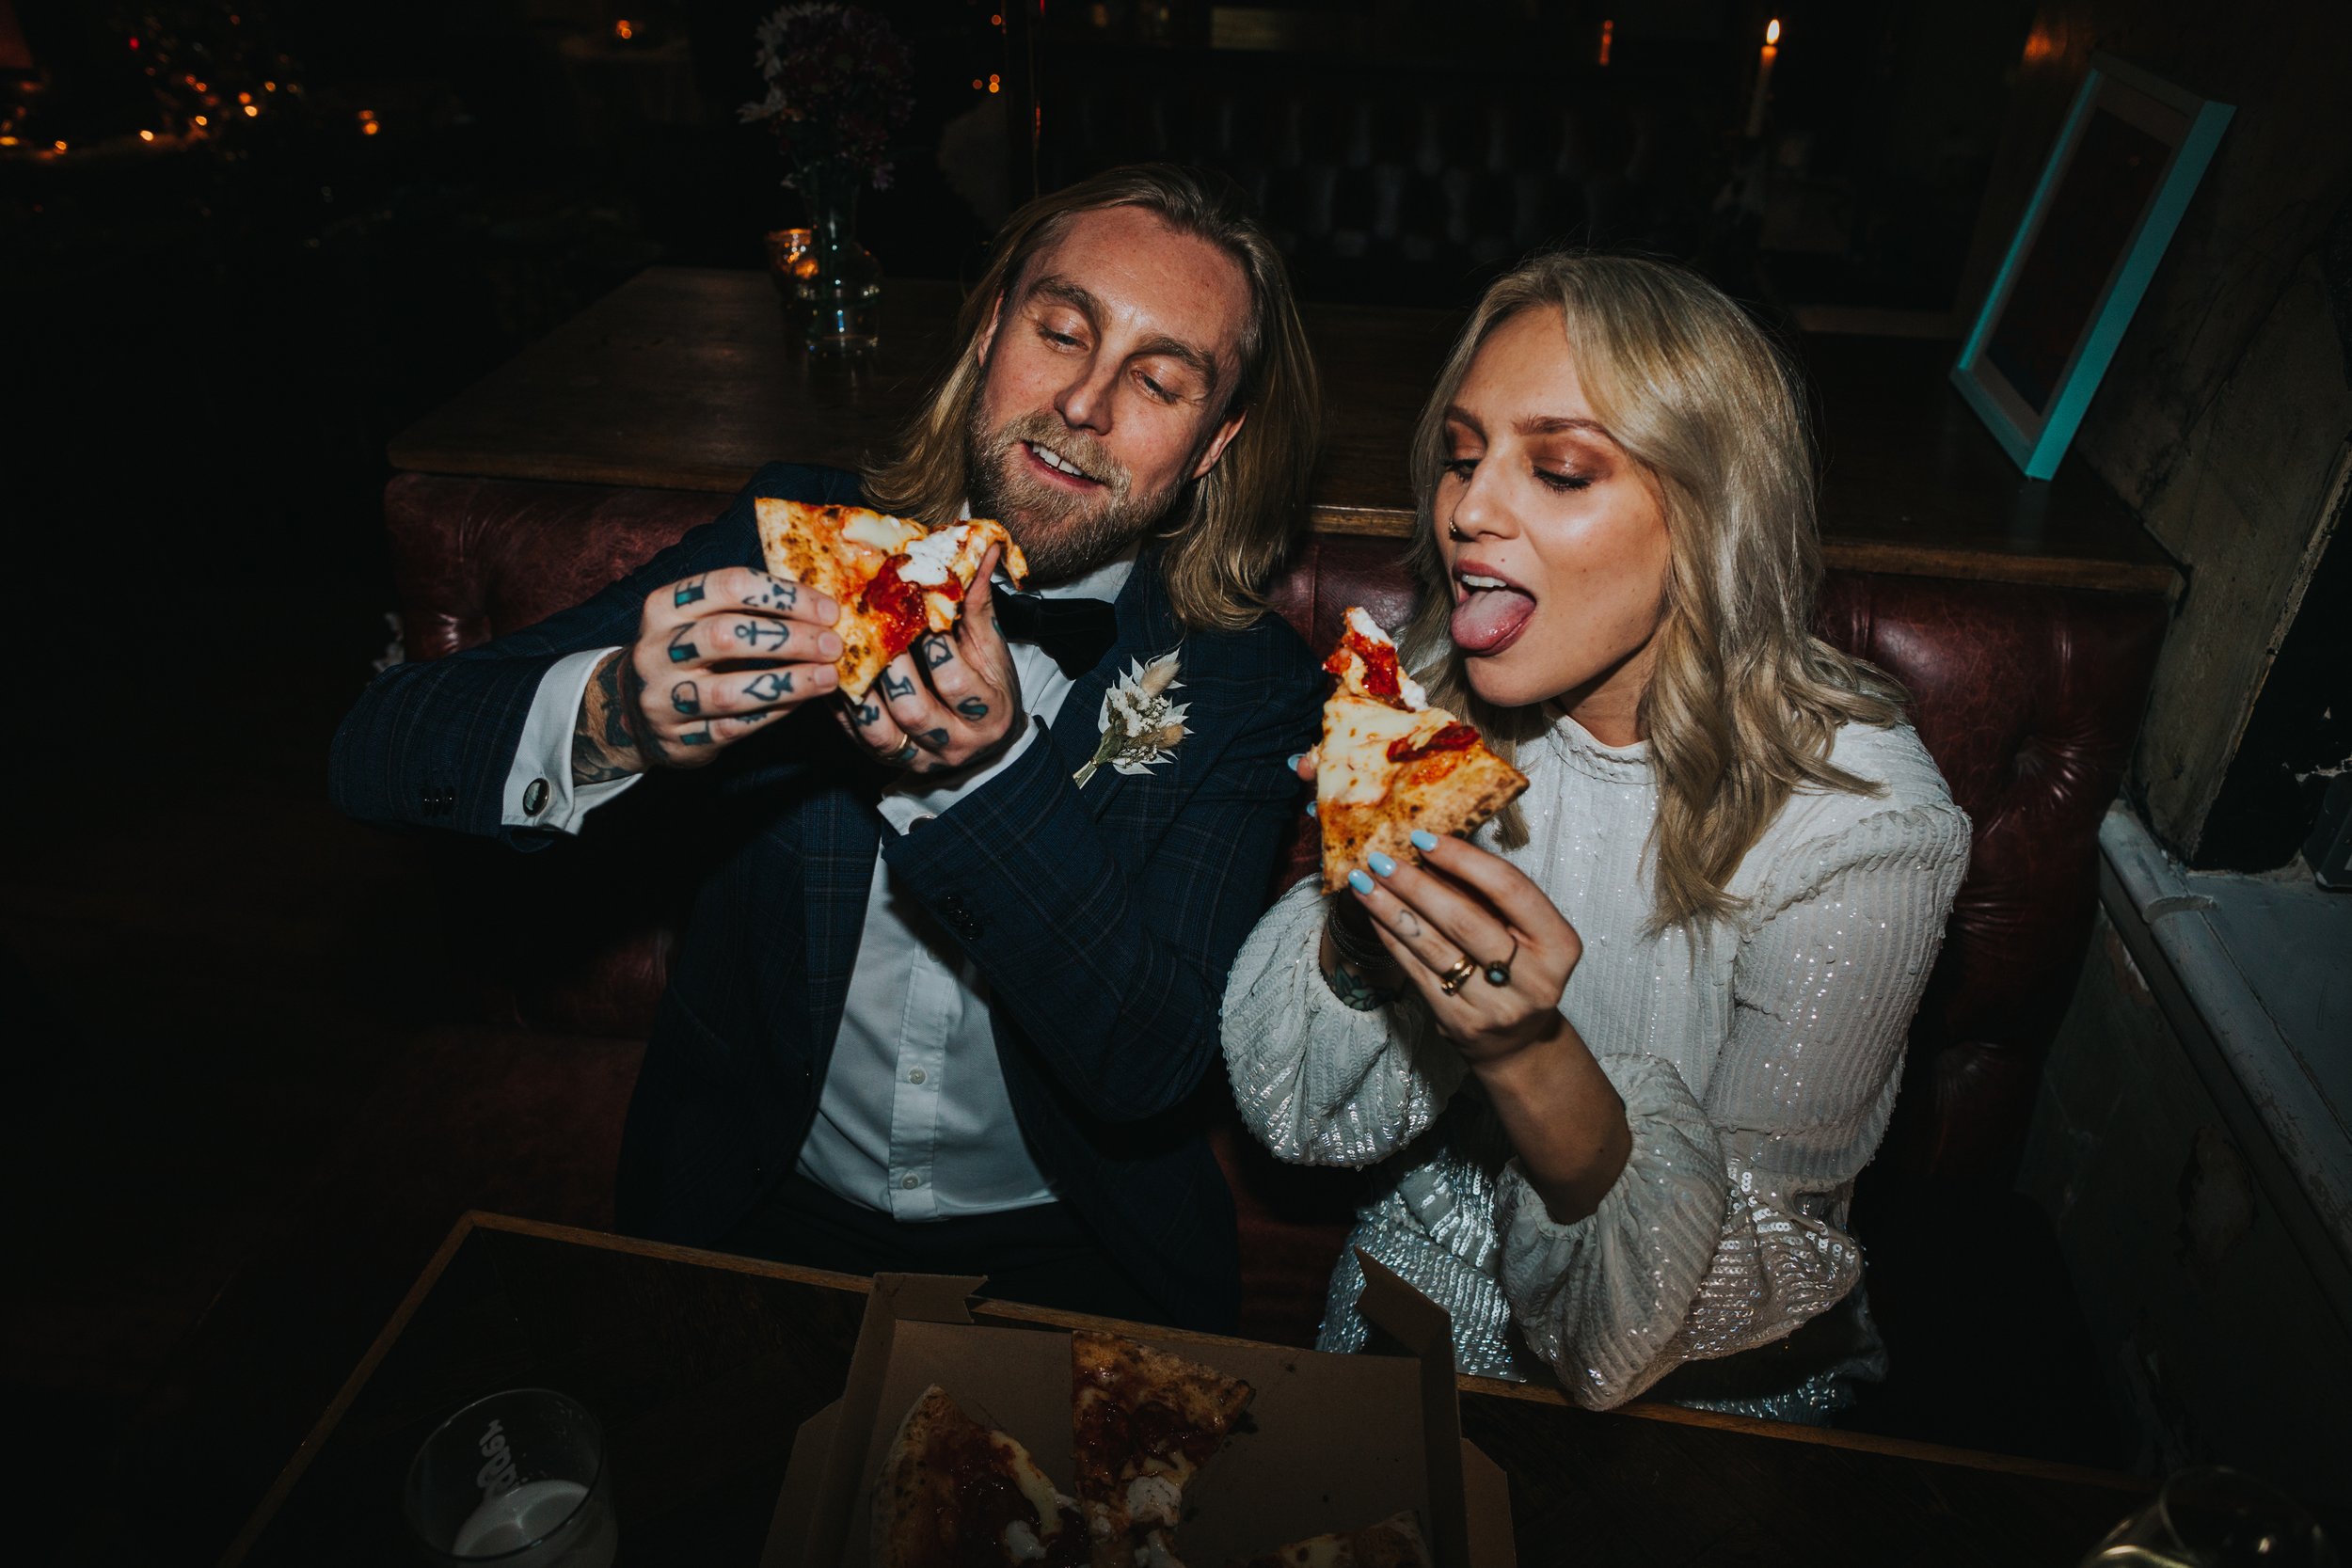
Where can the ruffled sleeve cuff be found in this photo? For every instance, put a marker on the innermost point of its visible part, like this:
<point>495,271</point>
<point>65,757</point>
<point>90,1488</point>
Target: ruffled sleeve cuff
<point>1602,1299</point>
<point>1320,1081</point>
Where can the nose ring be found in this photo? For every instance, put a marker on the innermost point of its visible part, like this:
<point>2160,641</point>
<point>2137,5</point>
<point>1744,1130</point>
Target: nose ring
<point>1453,531</point>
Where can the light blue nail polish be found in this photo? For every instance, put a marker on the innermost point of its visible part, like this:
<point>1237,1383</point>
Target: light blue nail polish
<point>1360,882</point>
<point>1424,842</point>
<point>1380,864</point>
<point>1291,762</point>
<point>1310,808</point>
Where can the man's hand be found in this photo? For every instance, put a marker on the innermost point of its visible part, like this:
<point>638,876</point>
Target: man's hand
<point>950,702</point>
<point>716,657</point>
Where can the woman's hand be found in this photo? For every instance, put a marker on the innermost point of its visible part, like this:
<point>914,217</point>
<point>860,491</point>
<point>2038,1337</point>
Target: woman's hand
<point>1462,903</point>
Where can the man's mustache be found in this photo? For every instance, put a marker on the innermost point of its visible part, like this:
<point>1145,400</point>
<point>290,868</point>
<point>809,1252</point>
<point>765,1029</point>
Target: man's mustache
<point>1075,446</point>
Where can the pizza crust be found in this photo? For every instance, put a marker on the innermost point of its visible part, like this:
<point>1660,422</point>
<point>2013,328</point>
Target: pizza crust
<point>953,1494</point>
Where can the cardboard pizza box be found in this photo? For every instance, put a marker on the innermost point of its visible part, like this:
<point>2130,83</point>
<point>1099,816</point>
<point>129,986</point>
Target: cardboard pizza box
<point>1332,1442</point>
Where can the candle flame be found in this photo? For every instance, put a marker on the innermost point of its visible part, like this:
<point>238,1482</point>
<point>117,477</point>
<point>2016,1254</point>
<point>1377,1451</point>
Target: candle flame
<point>1771,31</point>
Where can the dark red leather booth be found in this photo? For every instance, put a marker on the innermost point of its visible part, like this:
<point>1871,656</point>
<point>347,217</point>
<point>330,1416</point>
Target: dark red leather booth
<point>2029,698</point>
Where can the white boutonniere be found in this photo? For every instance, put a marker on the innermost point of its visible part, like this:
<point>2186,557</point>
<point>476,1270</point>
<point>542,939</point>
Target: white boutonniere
<point>1141,728</point>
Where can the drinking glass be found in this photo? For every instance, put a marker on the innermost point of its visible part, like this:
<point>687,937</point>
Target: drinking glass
<point>2217,1518</point>
<point>518,1479</point>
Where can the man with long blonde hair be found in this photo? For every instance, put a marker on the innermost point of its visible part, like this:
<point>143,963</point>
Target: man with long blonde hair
<point>950,980</point>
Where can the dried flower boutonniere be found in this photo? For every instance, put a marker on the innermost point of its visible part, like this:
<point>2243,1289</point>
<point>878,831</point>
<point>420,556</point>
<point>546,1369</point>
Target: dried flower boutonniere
<point>1141,728</point>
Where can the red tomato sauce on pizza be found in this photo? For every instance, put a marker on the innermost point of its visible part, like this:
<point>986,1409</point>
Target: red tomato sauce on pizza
<point>1380,671</point>
<point>895,606</point>
<point>1453,738</point>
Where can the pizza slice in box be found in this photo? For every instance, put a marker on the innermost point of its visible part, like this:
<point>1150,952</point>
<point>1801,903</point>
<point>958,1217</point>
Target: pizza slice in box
<point>1143,1422</point>
<point>1390,763</point>
<point>894,579</point>
<point>953,1494</point>
<point>1395,1541</point>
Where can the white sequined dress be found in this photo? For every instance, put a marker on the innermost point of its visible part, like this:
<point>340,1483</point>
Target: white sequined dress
<point>1757,1066</point>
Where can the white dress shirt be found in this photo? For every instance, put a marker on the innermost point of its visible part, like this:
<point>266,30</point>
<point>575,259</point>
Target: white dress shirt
<point>914,1119</point>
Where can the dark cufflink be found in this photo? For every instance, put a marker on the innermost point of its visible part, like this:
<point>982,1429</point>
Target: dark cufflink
<point>534,797</point>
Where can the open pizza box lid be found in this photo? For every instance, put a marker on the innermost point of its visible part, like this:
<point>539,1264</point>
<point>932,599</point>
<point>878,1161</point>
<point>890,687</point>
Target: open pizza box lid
<point>1332,1442</point>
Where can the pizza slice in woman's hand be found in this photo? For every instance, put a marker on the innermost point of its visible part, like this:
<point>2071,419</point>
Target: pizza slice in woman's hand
<point>1390,763</point>
<point>894,579</point>
<point>1142,1424</point>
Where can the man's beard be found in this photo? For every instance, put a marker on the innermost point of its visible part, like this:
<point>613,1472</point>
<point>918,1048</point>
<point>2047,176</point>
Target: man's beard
<point>1064,536</point>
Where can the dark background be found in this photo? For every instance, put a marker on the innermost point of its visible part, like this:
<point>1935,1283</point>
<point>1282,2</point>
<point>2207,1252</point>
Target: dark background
<point>205,342</point>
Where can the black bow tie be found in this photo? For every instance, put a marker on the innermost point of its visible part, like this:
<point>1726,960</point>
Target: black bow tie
<point>1074,633</point>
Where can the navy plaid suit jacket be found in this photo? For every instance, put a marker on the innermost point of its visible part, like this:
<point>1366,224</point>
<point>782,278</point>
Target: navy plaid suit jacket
<point>1105,919</point>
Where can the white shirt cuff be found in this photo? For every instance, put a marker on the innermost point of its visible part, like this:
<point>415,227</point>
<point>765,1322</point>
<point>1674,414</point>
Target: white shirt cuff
<point>903,809</point>
<point>539,789</point>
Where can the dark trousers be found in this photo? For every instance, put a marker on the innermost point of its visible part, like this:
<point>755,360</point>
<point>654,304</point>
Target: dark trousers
<point>1043,1256</point>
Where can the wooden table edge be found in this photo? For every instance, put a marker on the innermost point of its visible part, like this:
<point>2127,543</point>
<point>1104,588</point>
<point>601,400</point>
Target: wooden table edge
<point>1898,1447</point>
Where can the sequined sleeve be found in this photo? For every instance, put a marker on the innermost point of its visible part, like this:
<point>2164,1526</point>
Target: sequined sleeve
<point>1726,1228</point>
<point>1321,1083</point>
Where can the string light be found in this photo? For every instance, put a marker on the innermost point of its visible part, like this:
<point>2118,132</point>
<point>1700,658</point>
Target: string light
<point>251,110</point>
<point>624,30</point>
<point>146,135</point>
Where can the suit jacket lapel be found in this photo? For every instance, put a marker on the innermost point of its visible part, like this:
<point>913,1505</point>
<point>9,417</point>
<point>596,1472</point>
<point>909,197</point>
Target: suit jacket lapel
<point>1147,628</point>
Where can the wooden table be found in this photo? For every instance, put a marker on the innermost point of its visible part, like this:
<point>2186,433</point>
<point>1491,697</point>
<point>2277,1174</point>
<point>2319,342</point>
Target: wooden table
<point>702,1367</point>
<point>684,379</point>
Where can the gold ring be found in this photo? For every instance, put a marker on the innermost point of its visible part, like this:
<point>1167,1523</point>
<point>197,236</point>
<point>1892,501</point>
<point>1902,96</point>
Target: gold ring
<point>902,753</point>
<point>1455,978</point>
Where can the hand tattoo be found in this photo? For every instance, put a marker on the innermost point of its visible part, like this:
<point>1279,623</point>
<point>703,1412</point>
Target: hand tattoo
<point>932,739</point>
<point>775,595</point>
<point>681,645</point>
<point>688,592</point>
<point>897,685</point>
<point>972,709</point>
<point>686,698</point>
<point>936,652</point>
<point>696,738</point>
<point>866,714</point>
<point>604,743</point>
<point>769,687</point>
<point>753,633</point>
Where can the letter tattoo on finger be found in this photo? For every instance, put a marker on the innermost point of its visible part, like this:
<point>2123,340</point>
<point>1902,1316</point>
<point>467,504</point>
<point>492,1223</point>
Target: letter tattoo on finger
<point>700,737</point>
<point>897,685</point>
<point>688,592</point>
<point>934,739</point>
<point>867,714</point>
<point>681,645</point>
<point>775,684</point>
<point>687,698</point>
<point>972,709</point>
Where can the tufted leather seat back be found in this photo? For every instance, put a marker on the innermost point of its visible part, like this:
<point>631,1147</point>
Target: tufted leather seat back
<point>1386,184</point>
<point>2027,698</point>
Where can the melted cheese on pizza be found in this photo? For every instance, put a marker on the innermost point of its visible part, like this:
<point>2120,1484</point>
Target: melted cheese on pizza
<point>1378,712</point>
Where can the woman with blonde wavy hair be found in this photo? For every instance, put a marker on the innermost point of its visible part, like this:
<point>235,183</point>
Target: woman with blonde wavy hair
<point>1619,1143</point>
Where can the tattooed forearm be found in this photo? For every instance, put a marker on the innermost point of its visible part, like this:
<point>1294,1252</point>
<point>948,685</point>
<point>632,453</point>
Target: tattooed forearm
<point>604,739</point>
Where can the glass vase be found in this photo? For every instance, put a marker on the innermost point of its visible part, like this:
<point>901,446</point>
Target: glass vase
<point>840,284</point>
